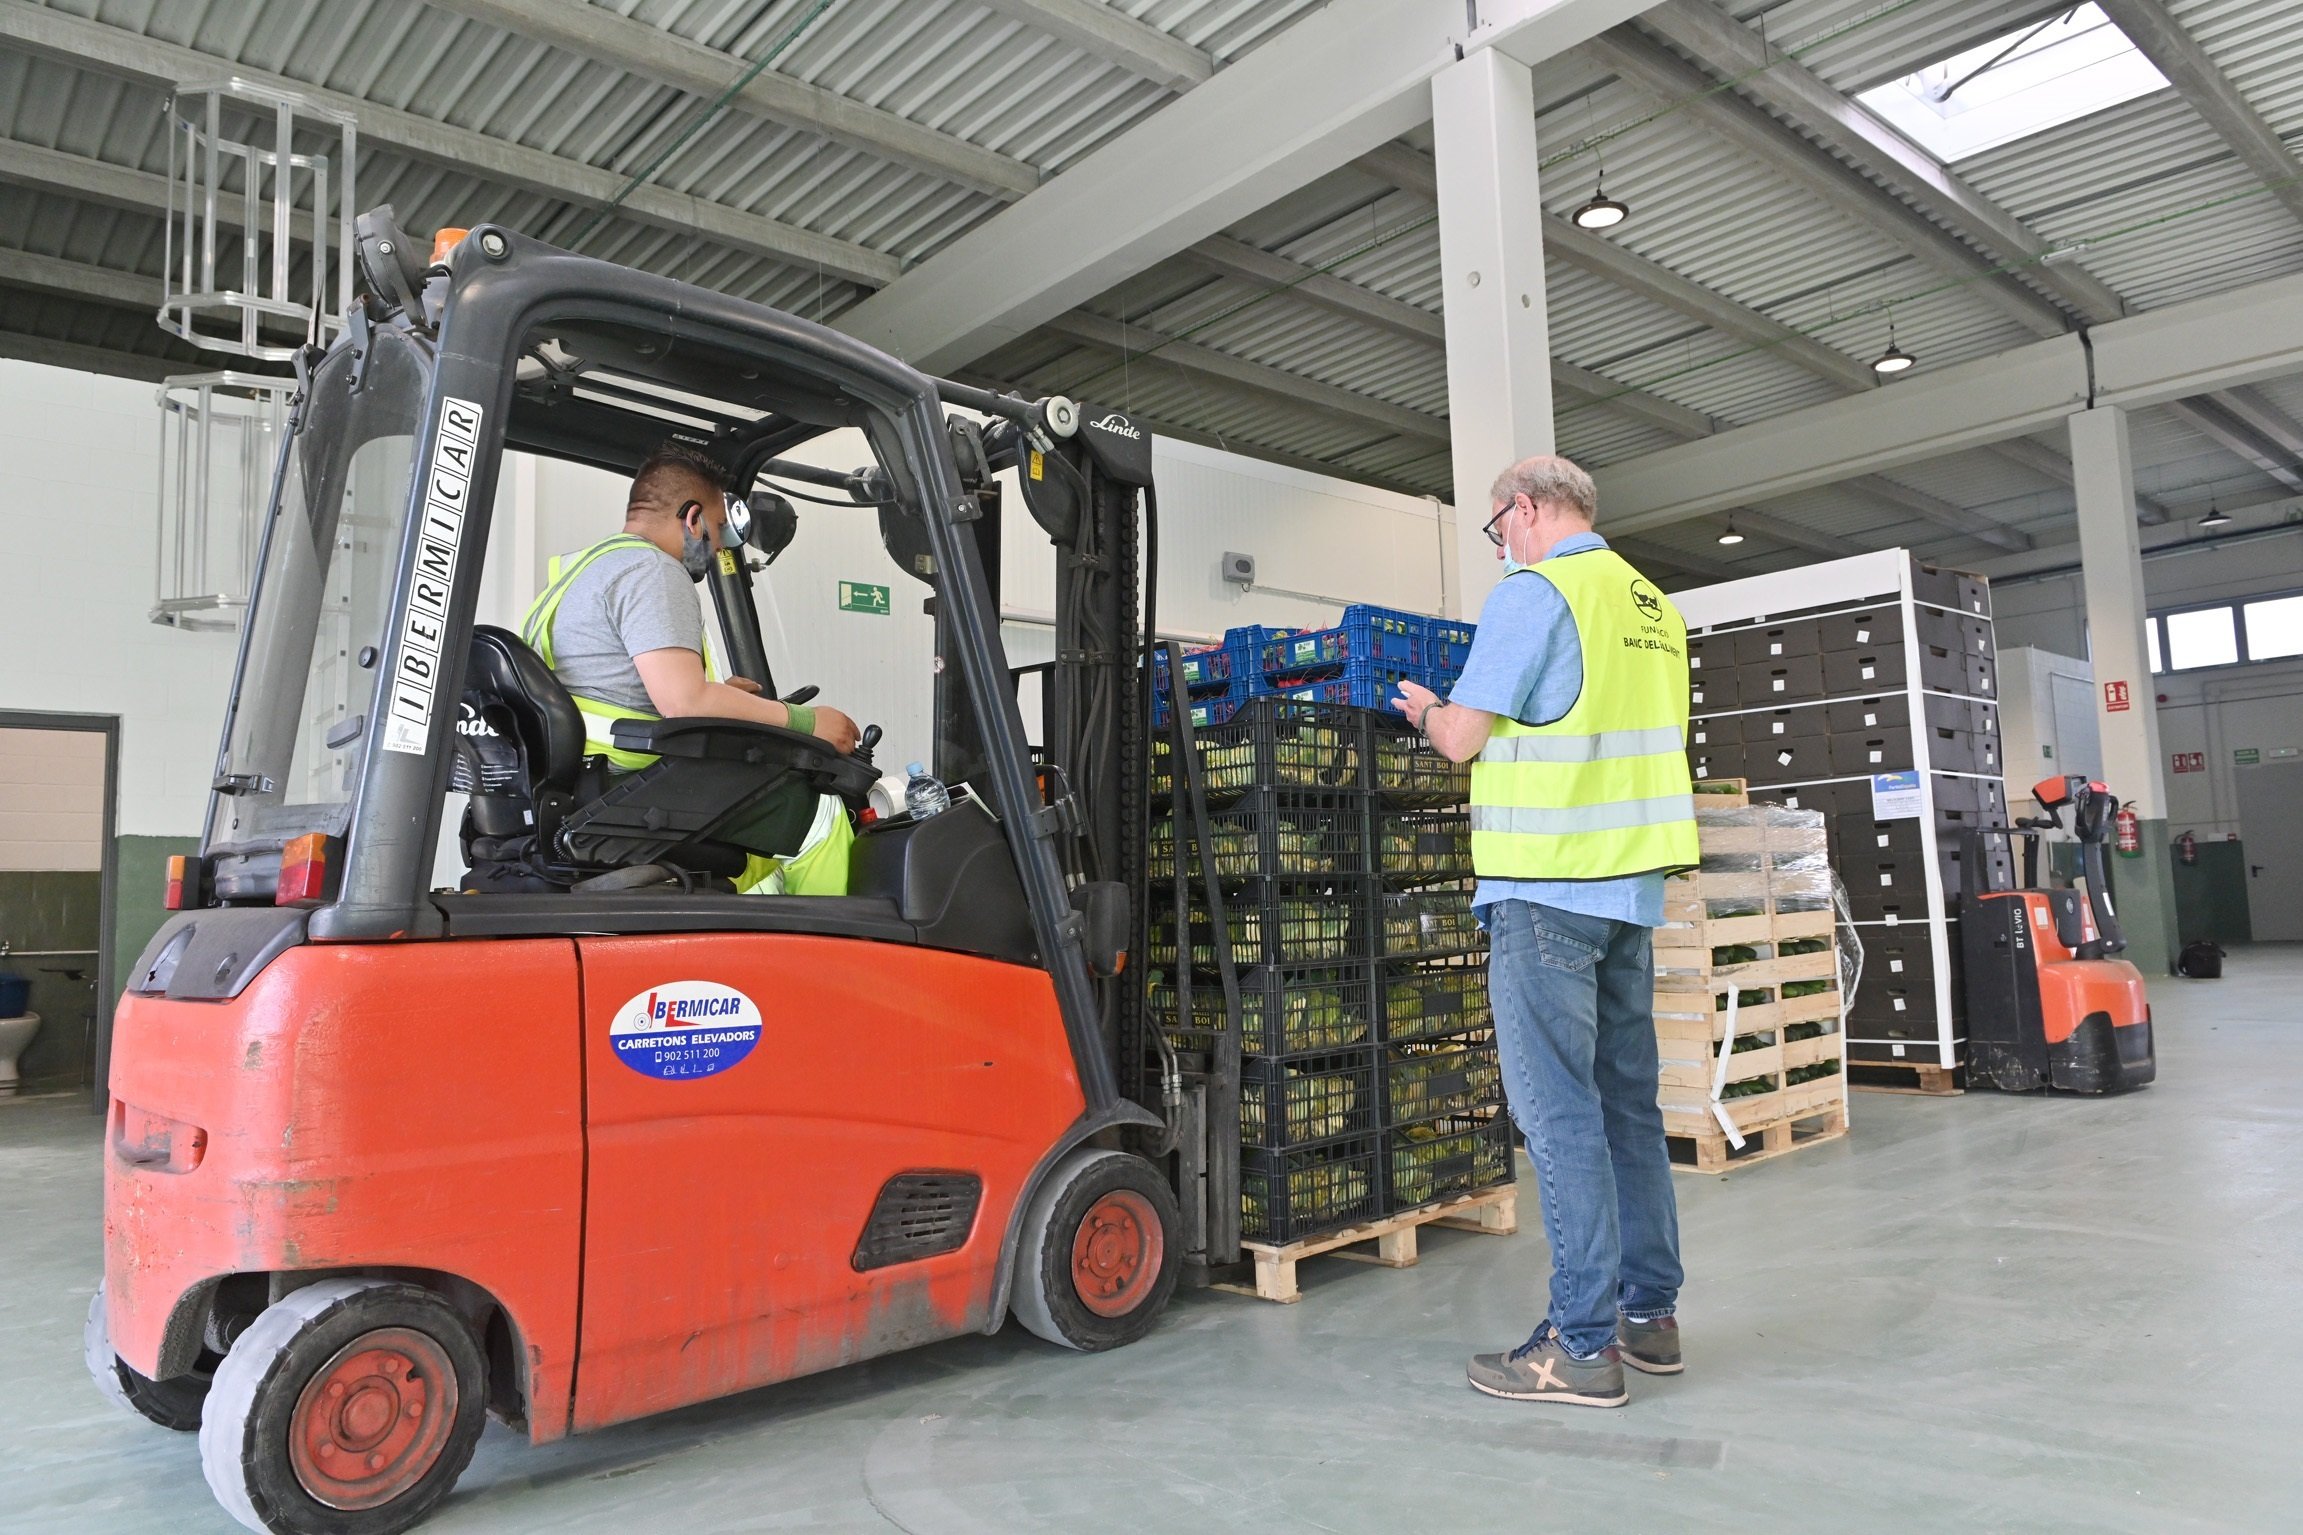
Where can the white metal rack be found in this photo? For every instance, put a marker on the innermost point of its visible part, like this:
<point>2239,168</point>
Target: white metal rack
<point>1840,586</point>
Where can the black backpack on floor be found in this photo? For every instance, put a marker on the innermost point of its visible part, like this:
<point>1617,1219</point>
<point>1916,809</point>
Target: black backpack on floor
<point>2201,961</point>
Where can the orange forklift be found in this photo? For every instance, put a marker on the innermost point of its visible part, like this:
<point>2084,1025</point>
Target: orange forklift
<point>593,1136</point>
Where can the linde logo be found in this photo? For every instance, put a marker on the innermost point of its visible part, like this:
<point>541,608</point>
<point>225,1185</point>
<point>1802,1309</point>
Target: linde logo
<point>1118,425</point>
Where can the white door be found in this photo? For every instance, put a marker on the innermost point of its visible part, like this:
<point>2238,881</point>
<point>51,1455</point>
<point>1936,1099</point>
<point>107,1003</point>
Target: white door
<point>2078,735</point>
<point>2271,829</point>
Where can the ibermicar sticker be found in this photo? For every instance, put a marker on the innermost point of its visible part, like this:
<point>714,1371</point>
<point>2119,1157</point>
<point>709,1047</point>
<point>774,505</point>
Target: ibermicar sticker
<point>685,1029</point>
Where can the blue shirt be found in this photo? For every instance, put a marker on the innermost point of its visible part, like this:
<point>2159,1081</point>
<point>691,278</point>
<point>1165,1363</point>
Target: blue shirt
<point>1527,664</point>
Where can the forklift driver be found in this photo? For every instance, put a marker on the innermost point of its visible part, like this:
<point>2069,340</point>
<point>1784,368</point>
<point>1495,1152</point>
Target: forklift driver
<point>622,627</point>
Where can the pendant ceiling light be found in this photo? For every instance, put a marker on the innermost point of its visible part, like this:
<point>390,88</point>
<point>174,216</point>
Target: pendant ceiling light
<point>1894,360</point>
<point>1731,536</point>
<point>2216,517</point>
<point>1602,212</point>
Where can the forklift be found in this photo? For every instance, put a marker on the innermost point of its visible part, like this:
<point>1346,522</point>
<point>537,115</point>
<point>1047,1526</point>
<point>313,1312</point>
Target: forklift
<point>2050,1004</point>
<point>610,1138</point>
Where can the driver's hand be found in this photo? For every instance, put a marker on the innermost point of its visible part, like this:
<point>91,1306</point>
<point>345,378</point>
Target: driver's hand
<point>744,685</point>
<point>836,728</point>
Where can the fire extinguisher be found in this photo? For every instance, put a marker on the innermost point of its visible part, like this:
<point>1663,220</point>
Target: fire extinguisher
<point>2129,843</point>
<point>2187,848</point>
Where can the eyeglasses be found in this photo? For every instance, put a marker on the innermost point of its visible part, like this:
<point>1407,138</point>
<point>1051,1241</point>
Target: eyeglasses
<point>1494,536</point>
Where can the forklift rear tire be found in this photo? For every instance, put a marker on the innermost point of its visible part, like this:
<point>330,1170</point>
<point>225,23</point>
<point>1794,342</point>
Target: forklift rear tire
<point>1097,1258</point>
<point>172,1403</point>
<point>349,1407</point>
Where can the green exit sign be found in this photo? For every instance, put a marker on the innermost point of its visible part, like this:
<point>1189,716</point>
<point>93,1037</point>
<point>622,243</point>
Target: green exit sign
<point>2247,756</point>
<point>859,597</point>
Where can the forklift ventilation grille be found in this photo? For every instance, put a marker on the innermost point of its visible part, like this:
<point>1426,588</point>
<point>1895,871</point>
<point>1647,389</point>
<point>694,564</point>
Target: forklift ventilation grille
<point>917,1216</point>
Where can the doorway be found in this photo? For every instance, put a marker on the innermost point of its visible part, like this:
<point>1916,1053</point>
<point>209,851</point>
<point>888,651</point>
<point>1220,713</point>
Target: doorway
<point>59,881</point>
<point>2272,833</point>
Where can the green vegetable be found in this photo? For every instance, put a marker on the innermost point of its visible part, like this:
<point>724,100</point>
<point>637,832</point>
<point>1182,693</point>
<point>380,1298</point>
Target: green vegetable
<point>1805,989</point>
<point>1804,1031</point>
<point>1318,1104</point>
<point>1750,1088</point>
<point>1742,999</point>
<point>1442,1077</point>
<point>1803,946</point>
<point>1816,1072</point>
<point>1429,1160</point>
<point>1316,1191</point>
<point>1734,954</point>
<point>1745,1042</point>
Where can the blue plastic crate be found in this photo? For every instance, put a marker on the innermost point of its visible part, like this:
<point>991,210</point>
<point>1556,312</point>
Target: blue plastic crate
<point>1447,645</point>
<point>1366,634</point>
<point>1361,684</point>
<point>1206,708</point>
<point>1210,669</point>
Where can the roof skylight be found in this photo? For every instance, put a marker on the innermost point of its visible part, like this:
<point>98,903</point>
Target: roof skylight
<point>2020,83</point>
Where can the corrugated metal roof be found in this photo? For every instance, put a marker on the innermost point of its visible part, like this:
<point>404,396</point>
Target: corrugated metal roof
<point>2167,211</point>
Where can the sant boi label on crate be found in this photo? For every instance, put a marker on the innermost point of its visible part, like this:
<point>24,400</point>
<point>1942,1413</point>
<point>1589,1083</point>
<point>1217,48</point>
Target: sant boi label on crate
<point>684,1029</point>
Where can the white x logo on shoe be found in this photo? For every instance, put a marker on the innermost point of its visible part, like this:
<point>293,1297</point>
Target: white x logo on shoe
<point>1545,1380</point>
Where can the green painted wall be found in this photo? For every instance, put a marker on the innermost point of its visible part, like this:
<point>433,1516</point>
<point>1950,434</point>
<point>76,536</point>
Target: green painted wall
<point>55,909</point>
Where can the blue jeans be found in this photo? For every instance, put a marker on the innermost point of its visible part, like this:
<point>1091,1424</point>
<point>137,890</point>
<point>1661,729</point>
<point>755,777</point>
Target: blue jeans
<point>1574,1000</point>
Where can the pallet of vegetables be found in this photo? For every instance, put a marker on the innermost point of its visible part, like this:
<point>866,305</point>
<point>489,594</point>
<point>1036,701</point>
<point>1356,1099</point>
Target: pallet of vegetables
<point>1748,991</point>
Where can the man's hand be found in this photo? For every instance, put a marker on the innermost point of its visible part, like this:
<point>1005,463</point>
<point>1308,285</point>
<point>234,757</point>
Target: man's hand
<point>744,685</point>
<point>837,729</point>
<point>1414,698</point>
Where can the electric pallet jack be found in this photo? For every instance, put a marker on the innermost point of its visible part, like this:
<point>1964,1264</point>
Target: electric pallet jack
<point>2049,1002</point>
<point>383,1160</point>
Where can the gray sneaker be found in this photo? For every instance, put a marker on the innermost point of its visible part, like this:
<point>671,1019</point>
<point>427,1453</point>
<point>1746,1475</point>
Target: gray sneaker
<point>1649,1347</point>
<point>1542,1370</point>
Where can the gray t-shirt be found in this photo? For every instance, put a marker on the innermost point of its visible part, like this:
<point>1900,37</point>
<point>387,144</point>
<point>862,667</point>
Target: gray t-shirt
<point>626,603</point>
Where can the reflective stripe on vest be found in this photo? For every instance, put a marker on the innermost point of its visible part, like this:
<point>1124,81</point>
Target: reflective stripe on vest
<point>1602,791</point>
<point>600,716</point>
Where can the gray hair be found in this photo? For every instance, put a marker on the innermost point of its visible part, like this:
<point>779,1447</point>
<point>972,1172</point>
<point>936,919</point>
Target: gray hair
<point>1548,477</point>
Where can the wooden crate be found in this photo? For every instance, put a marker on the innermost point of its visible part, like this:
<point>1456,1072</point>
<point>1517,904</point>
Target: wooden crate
<point>1811,1125</point>
<point>1924,1080</point>
<point>1492,1210</point>
<point>1721,794</point>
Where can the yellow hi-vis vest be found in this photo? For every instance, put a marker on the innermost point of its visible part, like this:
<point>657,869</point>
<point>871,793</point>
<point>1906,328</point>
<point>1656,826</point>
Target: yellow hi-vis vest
<point>819,867</point>
<point>1603,791</point>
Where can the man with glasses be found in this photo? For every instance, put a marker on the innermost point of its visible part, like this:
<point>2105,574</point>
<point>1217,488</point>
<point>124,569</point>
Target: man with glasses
<point>622,627</point>
<point>1574,704</point>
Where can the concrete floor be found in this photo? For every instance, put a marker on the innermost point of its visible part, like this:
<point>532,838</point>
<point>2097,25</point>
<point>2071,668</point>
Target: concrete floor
<point>1974,1314</point>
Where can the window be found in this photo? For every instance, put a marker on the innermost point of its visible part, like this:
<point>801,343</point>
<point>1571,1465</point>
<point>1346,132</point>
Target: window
<point>2274,628</point>
<point>2201,637</point>
<point>2151,638</point>
<point>2020,83</point>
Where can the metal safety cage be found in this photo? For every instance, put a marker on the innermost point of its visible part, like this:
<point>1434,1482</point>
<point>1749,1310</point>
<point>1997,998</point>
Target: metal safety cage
<point>253,174</point>
<point>220,436</point>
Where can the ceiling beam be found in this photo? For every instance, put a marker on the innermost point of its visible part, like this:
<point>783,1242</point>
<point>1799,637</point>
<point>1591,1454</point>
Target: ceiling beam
<point>88,359</point>
<point>1114,36</point>
<point>1944,514</point>
<point>1345,80</point>
<point>2259,415</point>
<point>1648,552</point>
<point>1277,274</point>
<point>598,33</point>
<point>1660,285</point>
<point>2146,359</point>
<point>1650,67</point>
<point>1734,51</point>
<point>2210,416</point>
<point>2177,55</point>
<point>73,279</point>
<point>1798,535</point>
<point>2034,455</point>
<point>117,51</point>
<point>1581,387</point>
<point>1151,348</point>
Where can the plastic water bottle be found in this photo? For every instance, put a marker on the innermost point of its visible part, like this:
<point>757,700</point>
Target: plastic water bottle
<point>925,794</point>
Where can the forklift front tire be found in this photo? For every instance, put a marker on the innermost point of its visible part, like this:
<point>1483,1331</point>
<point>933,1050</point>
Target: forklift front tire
<point>349,1407</point>
<point>173,1403</point>
<point>1097,1258</point>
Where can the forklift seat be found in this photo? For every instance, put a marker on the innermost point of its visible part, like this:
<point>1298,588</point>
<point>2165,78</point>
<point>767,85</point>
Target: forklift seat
<point>544,816</point>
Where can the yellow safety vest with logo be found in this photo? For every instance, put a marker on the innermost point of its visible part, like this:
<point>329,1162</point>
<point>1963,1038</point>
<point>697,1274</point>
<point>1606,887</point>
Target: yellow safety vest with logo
<point>1602,791</point>
<point>820,867</point>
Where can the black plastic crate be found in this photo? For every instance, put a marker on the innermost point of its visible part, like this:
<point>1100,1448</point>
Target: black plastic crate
<point>1288,1195</point>
<point>1270,834</point>
<point>1271,743</point>
<point>1403,766</point>
<point>1426,924</point>
<point>1444,1074</point>
<point>1296,1100</point>
<point>1282,1011</point>
<point>1421,845</point>
<point>1415,1001</point>
<point>1270,924</point>
<point>1438,1157</point>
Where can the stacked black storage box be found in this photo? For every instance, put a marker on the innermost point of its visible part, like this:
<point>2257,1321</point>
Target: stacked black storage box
<point>1808,705</point>
<point>1368,1078</point>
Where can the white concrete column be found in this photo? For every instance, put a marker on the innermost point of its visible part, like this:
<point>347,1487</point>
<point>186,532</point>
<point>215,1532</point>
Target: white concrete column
<point>1491,259</point>
<point>2111,574</point>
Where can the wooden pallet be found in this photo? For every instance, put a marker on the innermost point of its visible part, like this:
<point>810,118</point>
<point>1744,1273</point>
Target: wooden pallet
<point>1712,1152</point>
<point>1492,1210</point>
<point>1923,1081</point>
